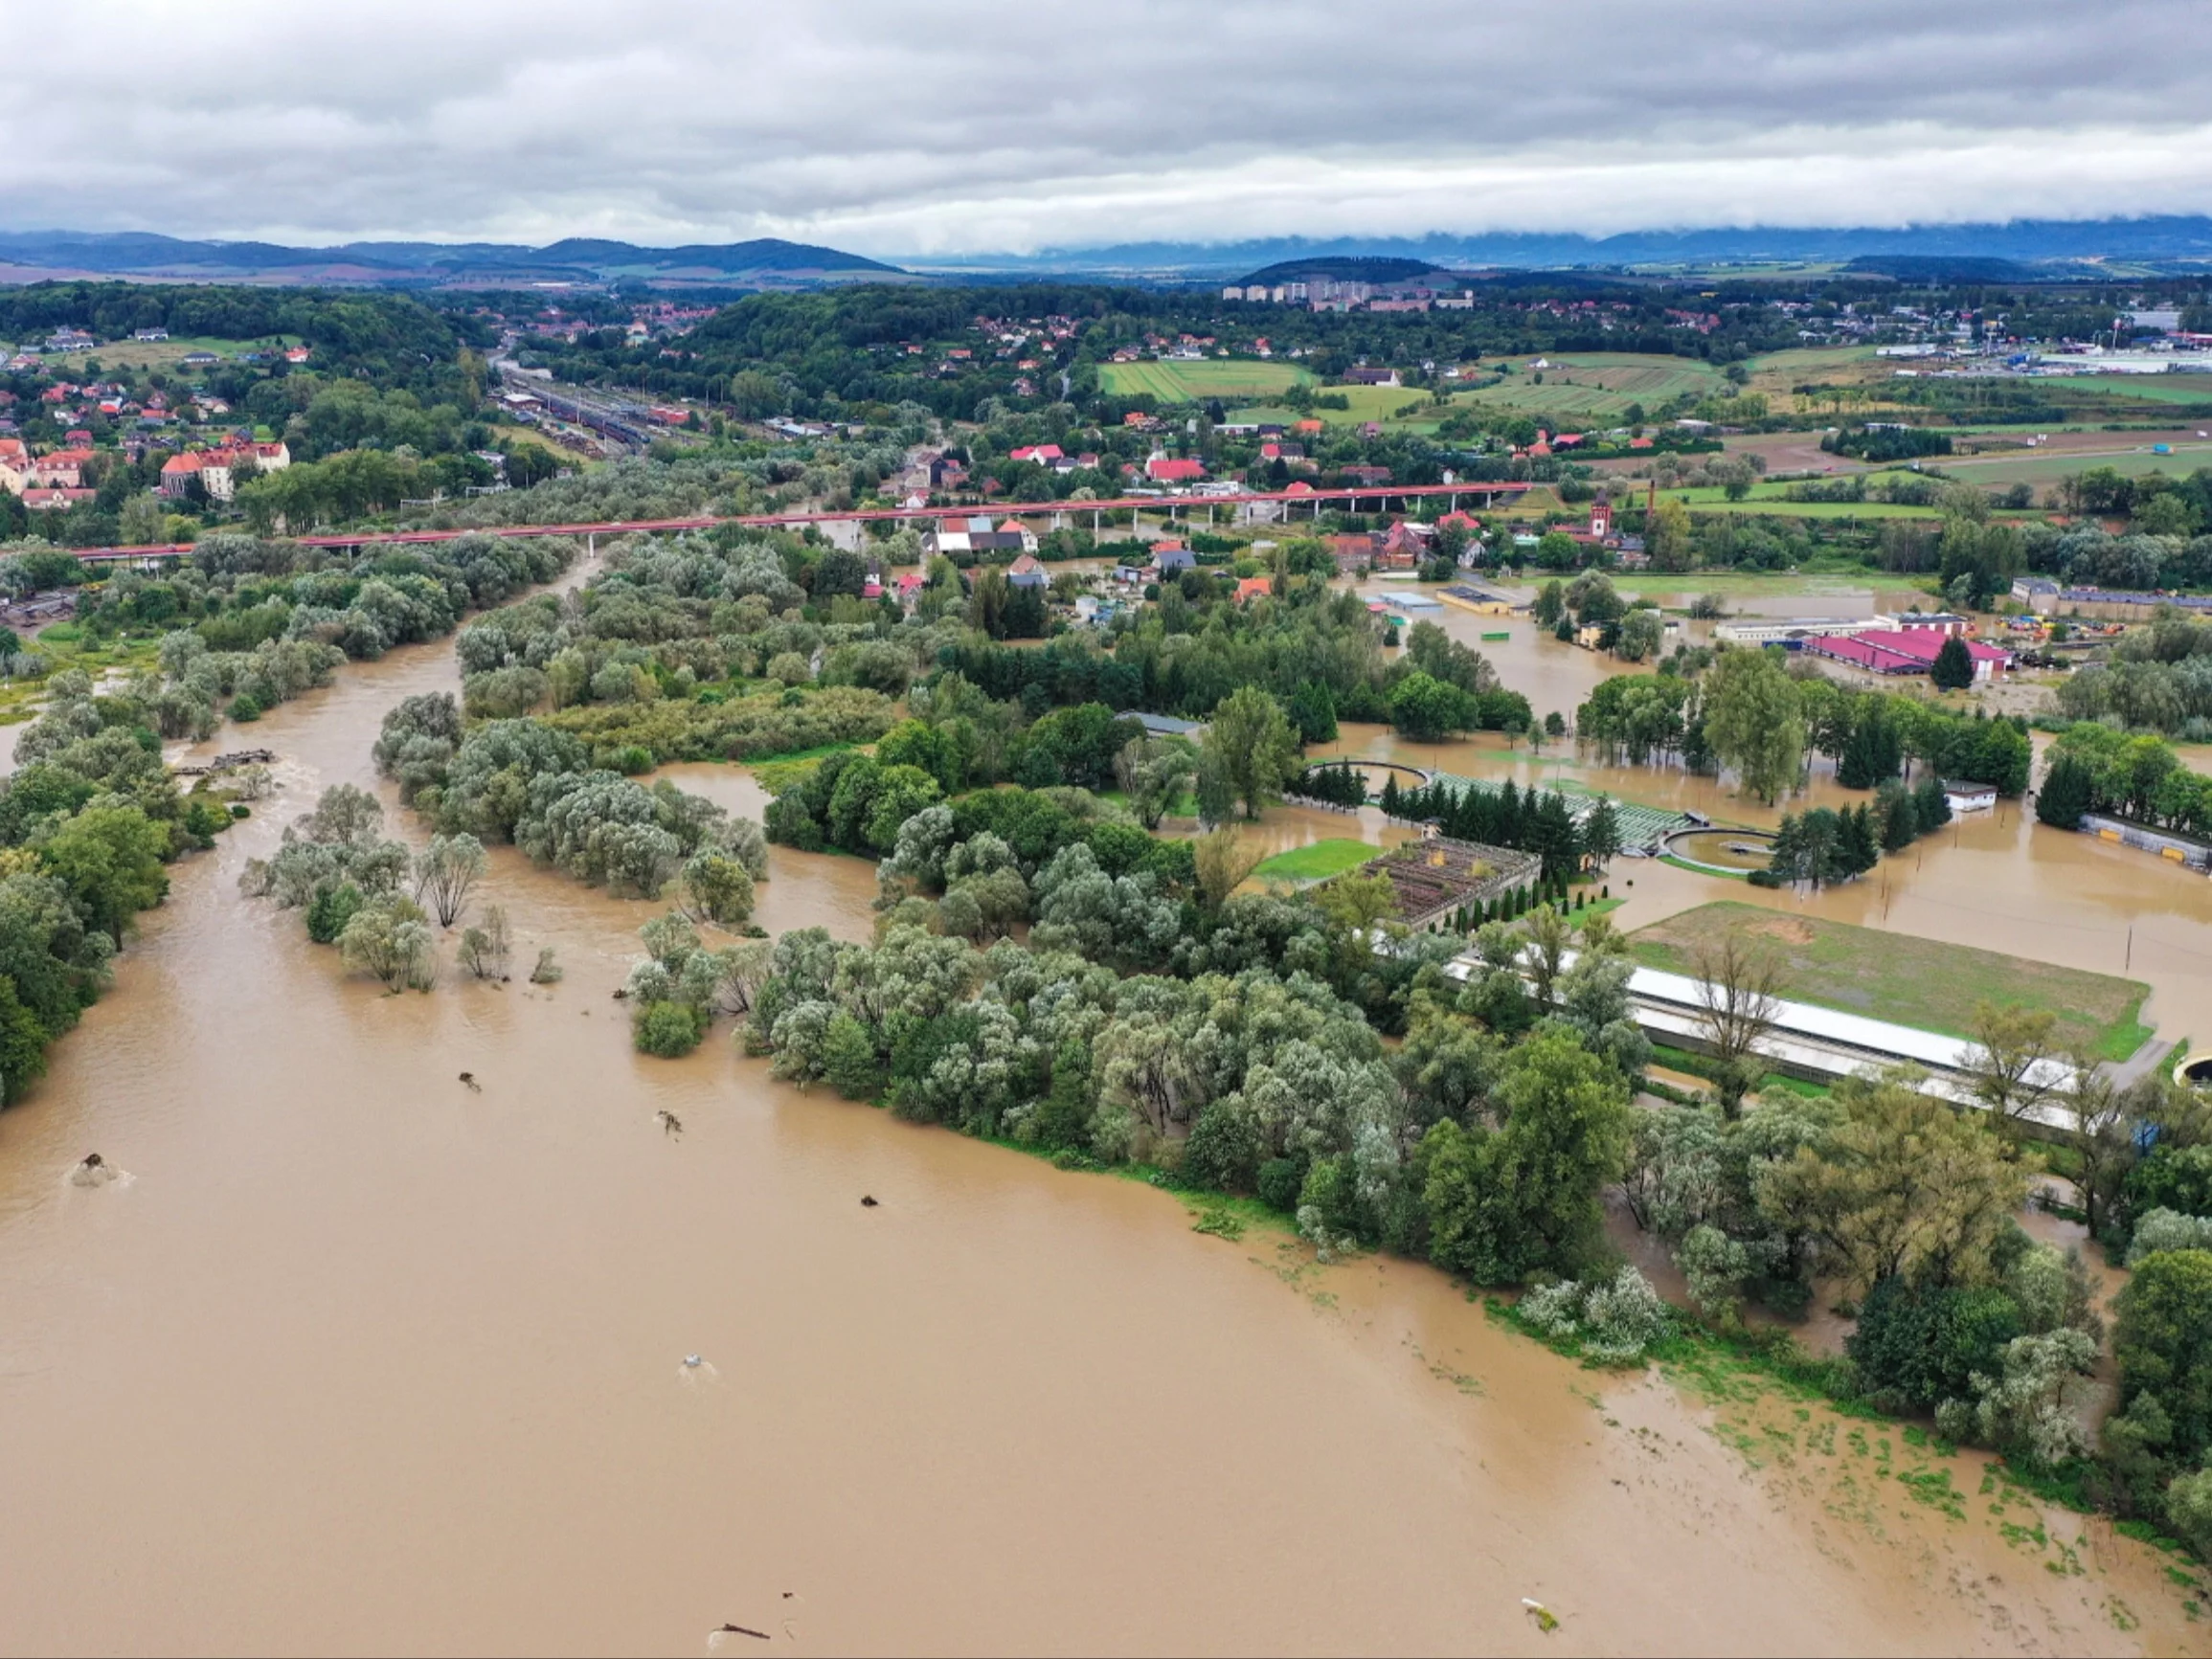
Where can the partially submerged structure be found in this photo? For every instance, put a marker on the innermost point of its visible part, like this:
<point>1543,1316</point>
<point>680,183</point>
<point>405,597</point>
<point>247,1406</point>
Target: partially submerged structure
<point>1435,878</point>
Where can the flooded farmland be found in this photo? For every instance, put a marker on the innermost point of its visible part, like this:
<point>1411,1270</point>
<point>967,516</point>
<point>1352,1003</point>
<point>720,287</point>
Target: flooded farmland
<point>358,1360</point>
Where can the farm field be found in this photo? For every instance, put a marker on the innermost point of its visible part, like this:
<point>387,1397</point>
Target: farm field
<point>2036,466</point>
<point>1677,591</point>
<point>1599,385</point>
<point>1377,403</point>
<point>1768,500</point>
<point>1776,371</point>
<point>1195,381</point>
<point>1923,984</point>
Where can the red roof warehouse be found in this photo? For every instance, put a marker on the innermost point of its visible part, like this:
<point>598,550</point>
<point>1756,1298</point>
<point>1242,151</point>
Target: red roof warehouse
<point>1885,651</point>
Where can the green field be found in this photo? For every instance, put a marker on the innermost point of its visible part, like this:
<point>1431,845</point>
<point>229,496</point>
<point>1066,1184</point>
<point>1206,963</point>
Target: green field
<point>2048,468</point>
<point>1377,403</point>
<point>1886,593</point>
<point>1777,371</point>
<point>1922,983</point>
<point>1317,861</point>
<point>1598,385</point>
<point>170,353</point>
<point>2151,388</point>
<point>1770,501</point>
<point>1196,381</point>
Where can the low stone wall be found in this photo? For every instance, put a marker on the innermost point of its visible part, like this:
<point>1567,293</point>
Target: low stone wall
<point>2176,848</point>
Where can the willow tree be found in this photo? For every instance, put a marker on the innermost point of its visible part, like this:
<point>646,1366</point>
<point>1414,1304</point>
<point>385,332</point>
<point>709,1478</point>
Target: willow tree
<point>1755,722</point>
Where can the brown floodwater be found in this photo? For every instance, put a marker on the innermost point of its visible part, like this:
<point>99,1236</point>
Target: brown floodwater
<point>360,1359</point>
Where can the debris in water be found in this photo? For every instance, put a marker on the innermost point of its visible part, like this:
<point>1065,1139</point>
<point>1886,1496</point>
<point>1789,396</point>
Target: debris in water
<point>671,1124</point>
<point>695,1370</point>
<point>867,1200</point>
<point>693,1360</point>
<point>1547,1620</point>
<point>714,1646</point>
<point>474,1086</point>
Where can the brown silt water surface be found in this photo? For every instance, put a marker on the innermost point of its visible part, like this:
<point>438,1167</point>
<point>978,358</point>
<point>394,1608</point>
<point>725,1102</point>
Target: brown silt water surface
<point>360,1359</point>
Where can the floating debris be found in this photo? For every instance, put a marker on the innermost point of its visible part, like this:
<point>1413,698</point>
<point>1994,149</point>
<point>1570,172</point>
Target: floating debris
<point>1545,1619</point>
<point>695,1369</point>
<point>671,1124</point>
<point>867,1200</point>
<point>474,1086</point>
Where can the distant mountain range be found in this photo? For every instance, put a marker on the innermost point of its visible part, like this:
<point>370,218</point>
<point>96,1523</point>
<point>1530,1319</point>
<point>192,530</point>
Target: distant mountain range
<point>2182,241</point>
<point>36,255</point>
<point>2022,247</point>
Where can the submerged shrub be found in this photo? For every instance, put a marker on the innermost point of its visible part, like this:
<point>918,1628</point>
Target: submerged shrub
<point>667,1029</point>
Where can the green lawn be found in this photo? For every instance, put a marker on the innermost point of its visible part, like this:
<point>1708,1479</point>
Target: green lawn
<point>1922,983</point>
<point>1317,861</point>
<point>1194,382</point>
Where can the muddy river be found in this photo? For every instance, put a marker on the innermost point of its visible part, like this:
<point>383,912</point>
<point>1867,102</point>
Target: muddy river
<point>361,1360</point>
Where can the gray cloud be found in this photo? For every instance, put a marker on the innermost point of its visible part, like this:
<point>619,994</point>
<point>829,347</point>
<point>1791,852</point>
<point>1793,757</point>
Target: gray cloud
<point>890,129</point>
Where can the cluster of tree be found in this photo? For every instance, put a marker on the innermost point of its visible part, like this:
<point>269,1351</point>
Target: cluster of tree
<point>2155,506</point>
<point>349,332</point>
<point>356,484</point>
<point>1885,441</point>
<point>1766,718</point>
<point>1631,633</point>
<point>376,900</point>
<point>259,621</point>
<point>2146,1185</point>
<point>88,818</point>
<point>1540,822</point>
<point>362,893</point>
<point>2094,768</point>
<point>524,782</point>
<point>2158,678</point>
<point>1823,844</point>
<point>683,983</point>
<point>1482,1151</point>
<point>1088,878</point>
<point>703,647</point>
<point>1335,783</point>
<point>1908,1203</point>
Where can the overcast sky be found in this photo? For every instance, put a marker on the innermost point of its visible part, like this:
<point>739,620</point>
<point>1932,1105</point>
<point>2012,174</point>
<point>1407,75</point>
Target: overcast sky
<point>894,129</point>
